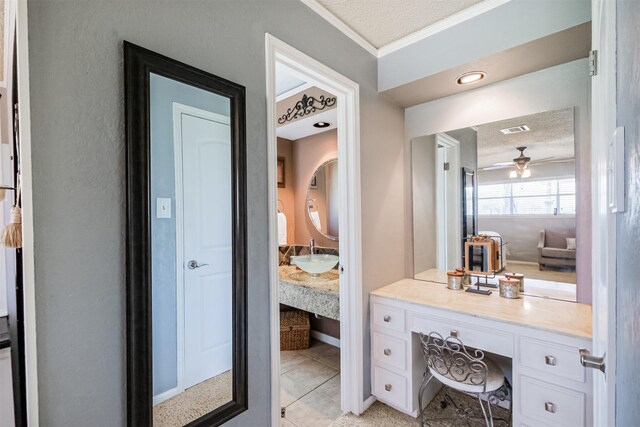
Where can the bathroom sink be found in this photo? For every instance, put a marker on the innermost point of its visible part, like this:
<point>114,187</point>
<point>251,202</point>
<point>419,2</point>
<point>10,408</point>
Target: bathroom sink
<point>315,263</point>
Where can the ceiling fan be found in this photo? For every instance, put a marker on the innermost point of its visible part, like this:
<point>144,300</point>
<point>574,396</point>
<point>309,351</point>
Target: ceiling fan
<point>521,164</point>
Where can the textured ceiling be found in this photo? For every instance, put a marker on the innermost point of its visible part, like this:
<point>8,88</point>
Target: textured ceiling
<point>551,135</point>
<point>381,22</point>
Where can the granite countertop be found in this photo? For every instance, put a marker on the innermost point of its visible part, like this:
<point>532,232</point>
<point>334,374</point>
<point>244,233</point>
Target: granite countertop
<point>4,332</point>
<point>319,295</point>
<point>563,317</point>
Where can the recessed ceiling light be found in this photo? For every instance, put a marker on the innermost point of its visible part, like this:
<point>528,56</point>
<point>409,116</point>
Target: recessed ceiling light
<point>471,77</point>
<point>321,124</point>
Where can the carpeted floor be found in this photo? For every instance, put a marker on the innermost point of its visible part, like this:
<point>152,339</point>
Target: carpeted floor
<point>381,415</point>
<point>194,402</point>
<point>563,275</point>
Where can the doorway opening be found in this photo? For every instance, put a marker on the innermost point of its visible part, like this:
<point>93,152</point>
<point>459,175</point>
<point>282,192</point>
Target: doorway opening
<point>323,219</point>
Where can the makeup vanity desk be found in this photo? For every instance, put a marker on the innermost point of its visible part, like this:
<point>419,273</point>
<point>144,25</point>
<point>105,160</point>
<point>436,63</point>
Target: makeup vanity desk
<point>540,336</point>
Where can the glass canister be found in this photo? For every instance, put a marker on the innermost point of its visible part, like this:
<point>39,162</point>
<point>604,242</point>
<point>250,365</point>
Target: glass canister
<point>466,279</point>
<point>454,280</point>
<point>509,288</point>
<point>516,276</point>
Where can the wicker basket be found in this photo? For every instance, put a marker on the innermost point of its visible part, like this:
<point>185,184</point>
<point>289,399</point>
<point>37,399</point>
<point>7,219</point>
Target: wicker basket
<point>294,330</point>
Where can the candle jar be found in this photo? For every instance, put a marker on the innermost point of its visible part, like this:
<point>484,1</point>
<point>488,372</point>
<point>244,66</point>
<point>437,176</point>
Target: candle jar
<point>454,280</point>
<point>509,288</point>
<point>516,276</point>
<point>466,279</point>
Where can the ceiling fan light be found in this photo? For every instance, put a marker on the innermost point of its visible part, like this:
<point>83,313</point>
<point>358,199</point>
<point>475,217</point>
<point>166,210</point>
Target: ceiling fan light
<point>526,173</point>
<point>513,174</point>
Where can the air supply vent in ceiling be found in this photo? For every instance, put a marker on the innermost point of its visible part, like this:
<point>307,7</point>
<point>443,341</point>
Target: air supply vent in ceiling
<point>515,129</point>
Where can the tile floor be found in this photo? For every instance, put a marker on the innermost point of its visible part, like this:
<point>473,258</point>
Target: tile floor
<point>310,385</point>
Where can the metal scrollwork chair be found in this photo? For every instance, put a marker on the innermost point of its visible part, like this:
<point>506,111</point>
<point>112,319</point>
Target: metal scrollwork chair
<point>469,371</point>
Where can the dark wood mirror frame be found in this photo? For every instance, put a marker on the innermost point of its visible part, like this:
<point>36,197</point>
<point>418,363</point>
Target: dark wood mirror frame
<point>138,64</point>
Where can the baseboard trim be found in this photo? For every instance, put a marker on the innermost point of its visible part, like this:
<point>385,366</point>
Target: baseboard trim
<point>510,261</point>
<point>325,338</point>
<point>368,402</point>
<point>159,398</point>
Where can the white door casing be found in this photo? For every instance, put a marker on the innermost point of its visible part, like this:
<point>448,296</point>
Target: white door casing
<point>204,235</point>
<point>351,299</point>
<point>604,221</point>
<point>449,202</point>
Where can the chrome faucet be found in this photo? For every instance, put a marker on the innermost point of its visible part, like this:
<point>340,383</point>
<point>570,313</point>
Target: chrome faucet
<point>312,246</point>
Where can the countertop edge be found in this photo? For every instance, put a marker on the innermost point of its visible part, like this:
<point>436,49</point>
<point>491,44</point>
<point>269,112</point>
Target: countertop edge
<point>379,293</point>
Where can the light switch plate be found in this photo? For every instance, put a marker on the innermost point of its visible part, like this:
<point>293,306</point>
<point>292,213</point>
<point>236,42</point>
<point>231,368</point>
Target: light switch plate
<point>163,207</point>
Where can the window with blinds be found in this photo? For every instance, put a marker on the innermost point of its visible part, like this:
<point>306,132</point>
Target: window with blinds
<point>547,197</point>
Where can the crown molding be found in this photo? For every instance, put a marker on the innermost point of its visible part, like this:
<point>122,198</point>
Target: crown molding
<point>344,28</point>
<point>448,22</point>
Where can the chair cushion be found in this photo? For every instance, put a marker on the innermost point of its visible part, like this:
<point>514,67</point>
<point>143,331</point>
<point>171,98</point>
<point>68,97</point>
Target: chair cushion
<point>495,378</point>
<point>554,239</point>
<point>558,253</point>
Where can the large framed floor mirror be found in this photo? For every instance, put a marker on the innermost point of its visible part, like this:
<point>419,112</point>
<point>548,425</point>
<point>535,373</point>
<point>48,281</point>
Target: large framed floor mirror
<point>186,244</point>
<point>520,196</point>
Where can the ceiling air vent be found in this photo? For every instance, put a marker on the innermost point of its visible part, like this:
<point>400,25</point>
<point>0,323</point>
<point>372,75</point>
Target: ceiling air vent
<point>515,129</point>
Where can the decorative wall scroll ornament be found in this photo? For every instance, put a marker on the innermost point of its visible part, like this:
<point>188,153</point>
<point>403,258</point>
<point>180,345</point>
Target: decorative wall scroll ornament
<point>307,105</point>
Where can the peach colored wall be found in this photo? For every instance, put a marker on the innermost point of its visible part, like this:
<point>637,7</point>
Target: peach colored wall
<point>309,153</point>
<point>287,194</point>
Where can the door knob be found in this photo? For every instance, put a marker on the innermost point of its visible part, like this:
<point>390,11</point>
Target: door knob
<point>193,264</point>
<point>593,362</point>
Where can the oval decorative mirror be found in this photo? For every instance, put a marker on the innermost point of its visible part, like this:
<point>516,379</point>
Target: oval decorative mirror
<point>323,196</point>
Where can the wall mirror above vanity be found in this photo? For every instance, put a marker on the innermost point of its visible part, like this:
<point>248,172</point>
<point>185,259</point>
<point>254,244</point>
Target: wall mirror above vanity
<point>515,183</point>
<point>186,244</point>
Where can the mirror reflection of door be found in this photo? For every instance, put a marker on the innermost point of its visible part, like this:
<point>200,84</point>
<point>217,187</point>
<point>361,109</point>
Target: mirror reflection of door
<point>206,173</point>
<point>192,262</point>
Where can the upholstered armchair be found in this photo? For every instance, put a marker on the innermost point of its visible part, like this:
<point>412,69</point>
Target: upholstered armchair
<point>554,251</point>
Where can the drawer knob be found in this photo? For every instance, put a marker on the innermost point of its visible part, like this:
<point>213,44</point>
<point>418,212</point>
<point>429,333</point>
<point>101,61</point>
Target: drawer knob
<point>454,333</point>
<point>550,407</point>
<point>387,352</point>
<point>550,360</point>
<point>387,318</point>
<point>387,387</point>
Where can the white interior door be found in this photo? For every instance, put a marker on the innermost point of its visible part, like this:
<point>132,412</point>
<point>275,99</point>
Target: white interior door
<point>207,244</point>
<point>604,226</point>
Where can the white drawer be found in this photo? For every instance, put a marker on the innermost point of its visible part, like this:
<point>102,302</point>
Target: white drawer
<point>550,403</point>
<point>390,351</point>
<point>390,387</point>
<point>491,340</point>
<point>388,317</point>
<point>552,358</point>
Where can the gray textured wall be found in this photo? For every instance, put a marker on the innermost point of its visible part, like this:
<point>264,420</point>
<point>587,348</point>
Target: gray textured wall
<point>628,233</point>
<point>77,115</point>
<point>468,147</point>
<point>523,234</point>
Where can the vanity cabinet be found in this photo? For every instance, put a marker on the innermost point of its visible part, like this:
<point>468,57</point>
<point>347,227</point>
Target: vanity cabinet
<point>550,387</point>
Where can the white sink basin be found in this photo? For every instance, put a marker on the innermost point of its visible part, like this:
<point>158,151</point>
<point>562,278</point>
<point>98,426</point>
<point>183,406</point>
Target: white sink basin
<point>316,263</point>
